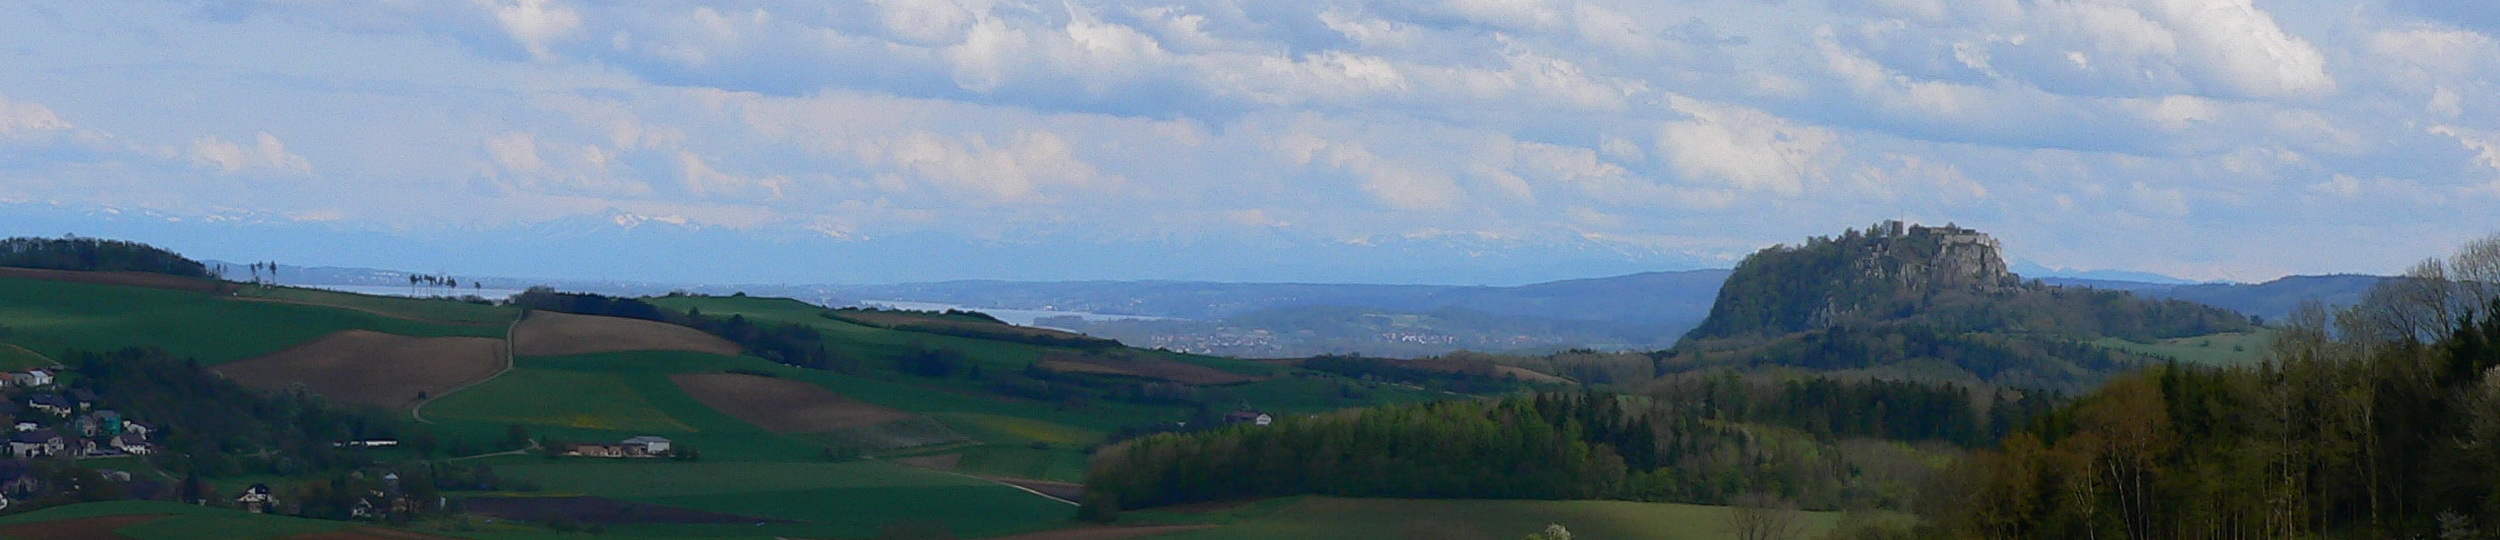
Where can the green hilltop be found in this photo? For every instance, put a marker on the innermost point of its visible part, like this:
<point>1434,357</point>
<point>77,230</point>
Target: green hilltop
<point>970,422</point>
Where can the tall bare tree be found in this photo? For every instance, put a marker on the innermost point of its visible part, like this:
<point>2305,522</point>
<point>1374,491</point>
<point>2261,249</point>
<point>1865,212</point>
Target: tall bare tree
<point>1760,516</point>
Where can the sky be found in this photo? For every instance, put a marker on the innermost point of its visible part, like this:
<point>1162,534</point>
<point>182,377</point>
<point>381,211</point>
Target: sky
<point>1417,141</point>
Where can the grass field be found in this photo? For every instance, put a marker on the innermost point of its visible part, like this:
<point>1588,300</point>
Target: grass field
<point>52,317</point>
<point>1328,518</point>
<point>1056,464</point>
<point>851,499</point>
<point>15,358</point>
<point>2229,349</point>
<point>427,309</point>
<point>745,468</point>
<point>588,400</point>
<point>183,522</point>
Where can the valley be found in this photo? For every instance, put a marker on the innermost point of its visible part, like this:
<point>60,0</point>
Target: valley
<point>737,416</point>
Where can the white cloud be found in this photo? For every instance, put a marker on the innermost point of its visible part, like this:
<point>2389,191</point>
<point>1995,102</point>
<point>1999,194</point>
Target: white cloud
<point>708,183</point>
<point>1400,186</point>
<point>20,119</point>
<point>535,24</point>
<point>1030,167</point>
<point>1745,148</point>
<point>267,155</point>
<point>1528,120</point>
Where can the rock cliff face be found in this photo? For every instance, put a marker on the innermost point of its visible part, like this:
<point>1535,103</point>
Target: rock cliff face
<point>1933,258</point>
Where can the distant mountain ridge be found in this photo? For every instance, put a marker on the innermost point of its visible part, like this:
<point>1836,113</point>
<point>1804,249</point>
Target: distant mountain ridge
<point>1642,311</point>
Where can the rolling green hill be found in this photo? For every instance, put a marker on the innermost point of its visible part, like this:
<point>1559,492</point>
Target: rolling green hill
<point>1331,518</point>
<point>816,480</point>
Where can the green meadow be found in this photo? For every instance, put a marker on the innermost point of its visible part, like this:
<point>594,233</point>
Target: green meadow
<point>52,317</point>
<point>1332,518</point>
<point>2218,350</point>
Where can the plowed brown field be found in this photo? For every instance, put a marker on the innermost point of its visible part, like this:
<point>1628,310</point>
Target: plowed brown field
<point>783,406</point>
<point>373,368</point>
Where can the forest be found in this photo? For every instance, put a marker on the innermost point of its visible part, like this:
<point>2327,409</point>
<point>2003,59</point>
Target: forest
<point>2380,420</point>
<point>1706,439</point>
<point>92,254</point>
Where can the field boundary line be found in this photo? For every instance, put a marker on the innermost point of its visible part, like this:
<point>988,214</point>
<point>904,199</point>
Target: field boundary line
<point>995,481</point>
<point>509,361</point>
<point>56,364</point>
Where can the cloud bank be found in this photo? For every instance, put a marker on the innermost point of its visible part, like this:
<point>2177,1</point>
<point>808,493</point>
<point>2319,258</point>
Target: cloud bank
<point>2201,138</point>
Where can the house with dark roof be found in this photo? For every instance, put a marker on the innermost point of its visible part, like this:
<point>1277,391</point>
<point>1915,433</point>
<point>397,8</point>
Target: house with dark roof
<point>41,442</point>
<point>132,443</point>
<point>83,398</point>
<point>51,403</point>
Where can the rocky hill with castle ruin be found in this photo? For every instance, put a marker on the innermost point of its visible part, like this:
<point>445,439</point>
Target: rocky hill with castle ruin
<point>1938,296</point>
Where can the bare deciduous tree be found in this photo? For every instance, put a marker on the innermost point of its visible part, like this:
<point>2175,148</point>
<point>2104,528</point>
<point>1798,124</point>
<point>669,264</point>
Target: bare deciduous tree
<point>1760,516</point>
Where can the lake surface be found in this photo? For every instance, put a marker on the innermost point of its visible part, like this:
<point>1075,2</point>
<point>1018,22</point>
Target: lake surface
<point>1019,317</point>
<point>421,291</point>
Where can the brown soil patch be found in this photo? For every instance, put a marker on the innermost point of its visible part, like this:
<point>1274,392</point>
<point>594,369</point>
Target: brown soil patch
<point>783,406</point>
<point>94,528</point>
<point>1529,375</point>
<point>131,279</point>
<point>1151,368</point>
<point>369,533</point>
<point>1105,533</point>
<point>1065,366</point>
<point>373,368</point>
<point>944,462</point>
<point>548,333</point>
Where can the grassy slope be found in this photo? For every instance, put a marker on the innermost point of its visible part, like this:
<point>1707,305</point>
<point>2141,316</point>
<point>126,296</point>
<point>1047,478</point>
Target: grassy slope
<point>433,310</point>
<point>186,522</point>
<point>53,317</point>
<point>832,499</point>
<point>1326,518</point>
<point>611,396</point>
<point>14,358</point>
<point>2227,349</point>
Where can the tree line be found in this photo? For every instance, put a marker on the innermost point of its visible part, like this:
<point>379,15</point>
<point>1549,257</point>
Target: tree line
<point>786,343</point>
<point>2381,420</point>
<point>96,255</point>
<point>1822,443</point>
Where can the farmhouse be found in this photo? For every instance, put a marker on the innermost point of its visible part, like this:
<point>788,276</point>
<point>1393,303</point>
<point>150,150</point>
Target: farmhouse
<point>32,377</point>
<point>83,398</point>
<point>256,499</point>
<point>638,447</point>
<point>49,402</point>
<point>41,442</point>
<point>132,443</point>
<point>596,450</point>
<point>1249,417</point>
<point>650,444</point>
